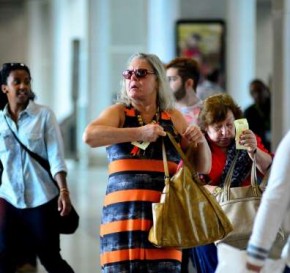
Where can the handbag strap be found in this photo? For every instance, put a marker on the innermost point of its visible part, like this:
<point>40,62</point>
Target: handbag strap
<point>179,150</point>
<point>165,162</point>
<point>184,158</point>
<point>254,183</point>
<point>264,181</point>
<point>229,175</point>
<point>42,162</point>
<point>228,179</point>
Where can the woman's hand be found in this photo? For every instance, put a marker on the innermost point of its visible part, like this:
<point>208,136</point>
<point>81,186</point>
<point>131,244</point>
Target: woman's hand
<point>64,203</point>
<point>263,159</point>
<point>201,155</point>
<point>193,135</point>
<point>150,132</point>
<point>249,140</point>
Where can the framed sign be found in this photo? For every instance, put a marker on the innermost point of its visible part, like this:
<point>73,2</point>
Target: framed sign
<point>204,41</point>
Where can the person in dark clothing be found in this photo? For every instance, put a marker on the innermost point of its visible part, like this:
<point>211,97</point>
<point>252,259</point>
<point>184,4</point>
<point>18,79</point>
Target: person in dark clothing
<point>259,113</point>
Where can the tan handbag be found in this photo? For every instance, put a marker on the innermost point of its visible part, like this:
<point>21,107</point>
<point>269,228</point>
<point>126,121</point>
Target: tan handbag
<point>240,204</point>
<point>187,215</point>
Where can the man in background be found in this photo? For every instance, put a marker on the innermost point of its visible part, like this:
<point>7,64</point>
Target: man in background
<point>183,76</point>
<point>258,114</point>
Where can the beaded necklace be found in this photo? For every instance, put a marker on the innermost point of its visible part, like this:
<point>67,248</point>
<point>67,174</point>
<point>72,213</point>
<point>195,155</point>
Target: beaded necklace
<point>154,120</point>
<point>143,144</point>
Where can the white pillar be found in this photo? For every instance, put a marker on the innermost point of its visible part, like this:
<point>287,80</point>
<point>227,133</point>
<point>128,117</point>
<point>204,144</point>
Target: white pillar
<point>40,49</point>
<point>281,70</point>
<point>98,78</point>
<point>162,15</point>
<point>240,48</point>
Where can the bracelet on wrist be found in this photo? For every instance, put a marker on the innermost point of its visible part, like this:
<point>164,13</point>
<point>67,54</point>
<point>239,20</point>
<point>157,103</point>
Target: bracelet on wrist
<point>64,190</point>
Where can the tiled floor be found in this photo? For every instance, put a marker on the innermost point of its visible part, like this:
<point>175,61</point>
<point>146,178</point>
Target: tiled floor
<point>87,188</point>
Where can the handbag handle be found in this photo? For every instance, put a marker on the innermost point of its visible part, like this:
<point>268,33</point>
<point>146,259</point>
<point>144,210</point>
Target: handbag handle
<point>254,183</point>
<point>183,157</point>
<point>165,162</point>
<point>264,182</point>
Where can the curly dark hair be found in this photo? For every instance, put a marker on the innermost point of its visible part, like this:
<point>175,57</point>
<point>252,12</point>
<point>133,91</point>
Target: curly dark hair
<point>215,109</point>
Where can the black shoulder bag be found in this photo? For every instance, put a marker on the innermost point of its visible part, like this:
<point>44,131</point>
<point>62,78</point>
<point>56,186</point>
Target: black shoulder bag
<point>69,223</point>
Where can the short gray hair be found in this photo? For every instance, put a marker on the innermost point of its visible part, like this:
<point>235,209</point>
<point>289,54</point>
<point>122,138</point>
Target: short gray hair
<point>164,95</point>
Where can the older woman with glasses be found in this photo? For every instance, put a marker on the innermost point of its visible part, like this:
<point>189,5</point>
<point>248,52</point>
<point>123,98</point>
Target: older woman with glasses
<point>29,199</point>
<point>132,129</point>
<point>216,121</point>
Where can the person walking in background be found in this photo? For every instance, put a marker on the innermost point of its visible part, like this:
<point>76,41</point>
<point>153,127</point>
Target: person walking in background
<point>259,113</point>
<point>273,211</point>
<point>29,199</point>
<point>210,85</point>
<point>26,259</point>
<point>216,121</point>
<point>132,129</point>
<point>183,76</point>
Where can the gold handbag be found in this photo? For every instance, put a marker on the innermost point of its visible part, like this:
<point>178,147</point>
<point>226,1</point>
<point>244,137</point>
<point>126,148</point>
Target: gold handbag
<point>241,204</point>
<point>187,215</point>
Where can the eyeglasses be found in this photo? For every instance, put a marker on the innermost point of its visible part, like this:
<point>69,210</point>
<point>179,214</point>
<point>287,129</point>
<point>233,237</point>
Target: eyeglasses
<point>139,73</point>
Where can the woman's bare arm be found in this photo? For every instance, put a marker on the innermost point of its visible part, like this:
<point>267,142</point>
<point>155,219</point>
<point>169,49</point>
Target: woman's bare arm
<point>107,129</point>
<point>193,138</point>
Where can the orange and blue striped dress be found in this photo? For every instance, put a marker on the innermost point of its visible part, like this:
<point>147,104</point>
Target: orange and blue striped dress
<point>135,182</point>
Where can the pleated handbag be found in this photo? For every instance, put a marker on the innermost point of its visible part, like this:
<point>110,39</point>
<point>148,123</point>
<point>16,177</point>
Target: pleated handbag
<point>241,205</point>
<point>187,214</point>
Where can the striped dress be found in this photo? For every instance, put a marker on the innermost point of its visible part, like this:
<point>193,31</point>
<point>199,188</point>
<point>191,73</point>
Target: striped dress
<point>135,182</point>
